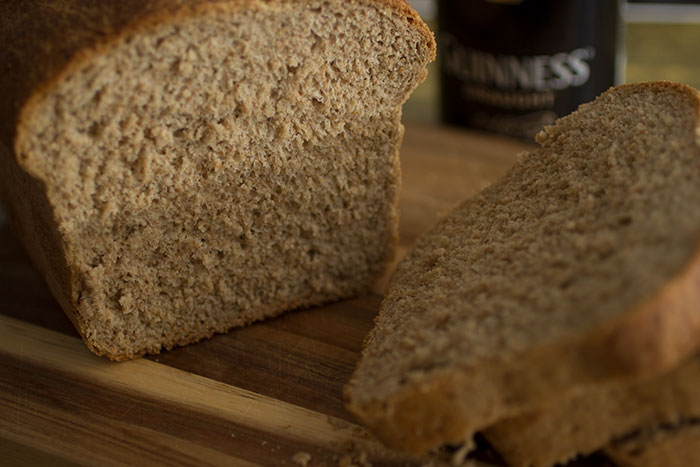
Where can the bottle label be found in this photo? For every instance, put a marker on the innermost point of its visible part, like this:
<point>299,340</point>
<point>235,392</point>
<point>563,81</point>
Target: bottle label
<point>506,73</point>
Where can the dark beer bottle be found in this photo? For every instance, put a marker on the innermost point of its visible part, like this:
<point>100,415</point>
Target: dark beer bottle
<point>513,66</point>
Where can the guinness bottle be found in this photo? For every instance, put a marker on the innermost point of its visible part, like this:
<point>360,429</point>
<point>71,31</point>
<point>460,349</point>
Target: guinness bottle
<point>513,66</point>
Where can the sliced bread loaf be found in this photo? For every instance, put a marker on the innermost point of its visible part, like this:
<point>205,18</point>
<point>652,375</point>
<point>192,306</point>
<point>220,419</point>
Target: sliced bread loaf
<point>592,420</point>
<point>579,266</point>
<point>176,168</point>
<point>660,446</point>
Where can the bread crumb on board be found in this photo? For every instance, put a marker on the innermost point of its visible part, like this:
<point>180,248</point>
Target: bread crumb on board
<point>301,458</point>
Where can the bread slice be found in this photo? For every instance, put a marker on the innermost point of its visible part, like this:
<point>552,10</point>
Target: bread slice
<point>580,266</point>
<point>179,168</point>
<point>660,446</point>
<point>590,421</point>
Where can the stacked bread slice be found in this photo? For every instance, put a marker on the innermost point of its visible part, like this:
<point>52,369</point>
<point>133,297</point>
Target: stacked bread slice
<point>618,417</point>
<point>568,287</point>
<point>663,446</point>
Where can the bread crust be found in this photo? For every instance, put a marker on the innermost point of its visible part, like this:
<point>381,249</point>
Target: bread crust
<point>39,54</point>
<point>592,420</point>
<point>669,446</point>
<point>32,29</point>
<point>650,337</point>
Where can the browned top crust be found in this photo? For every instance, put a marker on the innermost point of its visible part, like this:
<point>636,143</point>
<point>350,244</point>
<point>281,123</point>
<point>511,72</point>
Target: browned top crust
<point>41,40</point>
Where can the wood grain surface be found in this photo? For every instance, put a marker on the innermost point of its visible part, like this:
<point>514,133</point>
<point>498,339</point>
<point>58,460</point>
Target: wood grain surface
<point>268,394</point>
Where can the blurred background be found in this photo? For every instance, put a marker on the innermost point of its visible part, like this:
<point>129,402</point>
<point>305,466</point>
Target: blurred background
<point>658,40</point>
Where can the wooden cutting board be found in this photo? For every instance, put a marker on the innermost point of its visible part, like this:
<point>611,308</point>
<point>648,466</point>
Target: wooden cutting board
<point>268,394</point>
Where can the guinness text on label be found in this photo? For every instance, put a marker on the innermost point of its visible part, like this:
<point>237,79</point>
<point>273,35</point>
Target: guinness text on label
<point>513,67</point>
<point>528,73</point>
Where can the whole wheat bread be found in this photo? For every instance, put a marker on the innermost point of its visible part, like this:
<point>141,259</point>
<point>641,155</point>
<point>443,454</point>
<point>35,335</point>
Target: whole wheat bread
<point>580,266</point>
<point>659,446</point>
<point>590,421</point>
<point>177,168</point>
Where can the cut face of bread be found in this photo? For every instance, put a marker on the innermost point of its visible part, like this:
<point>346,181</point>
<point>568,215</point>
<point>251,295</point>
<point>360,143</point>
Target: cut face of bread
<point>592,420</point>
<point>579,266</point>
<point>215,166</point>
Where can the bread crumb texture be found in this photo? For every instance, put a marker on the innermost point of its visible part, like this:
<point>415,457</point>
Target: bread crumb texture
<point>493,308</point>
<point>222,166</point>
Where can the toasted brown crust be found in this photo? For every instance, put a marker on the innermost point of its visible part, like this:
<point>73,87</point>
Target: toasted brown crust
<point>592,420</point>
<point>38,51</point>
<point>661,446</point>
<point>46,42</point>
<point>649,338</point>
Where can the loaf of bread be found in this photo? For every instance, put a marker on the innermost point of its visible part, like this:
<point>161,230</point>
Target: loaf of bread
<point>177,168</point>
<point>596,418</point>
<point>660,446</point>
<point>579,267</point>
